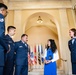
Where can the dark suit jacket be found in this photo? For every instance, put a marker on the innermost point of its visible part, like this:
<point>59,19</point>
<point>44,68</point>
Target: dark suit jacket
<point>21,53</point>
<point>3,40</point>
<point>10,55</point>
<point>72,48</point>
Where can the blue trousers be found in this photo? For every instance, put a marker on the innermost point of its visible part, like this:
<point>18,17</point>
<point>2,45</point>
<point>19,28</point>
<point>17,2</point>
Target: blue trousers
<point>21,70</point>
<point>9,66</point>
<point>74,68</point>
<point>1,70</point>
<point>8,70</point>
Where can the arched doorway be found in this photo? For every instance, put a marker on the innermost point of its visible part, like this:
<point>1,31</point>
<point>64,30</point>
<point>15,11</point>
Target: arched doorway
<point>39,33</point>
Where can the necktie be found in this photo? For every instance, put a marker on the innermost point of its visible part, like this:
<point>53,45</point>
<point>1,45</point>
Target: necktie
<point>25,44</point>
<point>73,40</point>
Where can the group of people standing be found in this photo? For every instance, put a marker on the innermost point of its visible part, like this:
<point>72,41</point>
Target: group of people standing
<point>51,54</point>
<point>16,53</point>
<point>12,54</point>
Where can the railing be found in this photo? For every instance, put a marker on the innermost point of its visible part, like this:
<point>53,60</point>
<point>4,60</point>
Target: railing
<point>63,60</point>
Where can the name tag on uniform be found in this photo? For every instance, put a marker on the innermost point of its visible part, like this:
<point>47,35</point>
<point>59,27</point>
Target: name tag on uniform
<point>26,45</point>
<point>10,41</point>
<point>73,41</point>
<point>20,46</point>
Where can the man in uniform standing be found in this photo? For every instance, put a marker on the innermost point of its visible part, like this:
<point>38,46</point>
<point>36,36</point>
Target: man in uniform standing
<point>3,45</point>
<point>9,63</point>
<point>72,48</point>
<point>21,60</point>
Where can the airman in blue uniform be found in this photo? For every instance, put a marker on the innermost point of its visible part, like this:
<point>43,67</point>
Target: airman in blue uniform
<point>21,60</point>
<point>3,45</point>
<point>72,48</point>
<point>9,63</point>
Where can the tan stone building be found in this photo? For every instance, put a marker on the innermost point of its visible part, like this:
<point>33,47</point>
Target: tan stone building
<point>58,17</point>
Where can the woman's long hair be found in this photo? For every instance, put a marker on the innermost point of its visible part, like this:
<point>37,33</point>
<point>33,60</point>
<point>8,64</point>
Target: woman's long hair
<point>52,45</point>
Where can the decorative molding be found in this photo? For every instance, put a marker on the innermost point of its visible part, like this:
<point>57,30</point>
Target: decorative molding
<point>39,5</point>
<point>34,0</point>
<point>74,6</point>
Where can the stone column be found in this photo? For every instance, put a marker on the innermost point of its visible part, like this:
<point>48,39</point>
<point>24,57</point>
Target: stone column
<point>74,16</point>
<point>64,37</point>
<point>17,24</point>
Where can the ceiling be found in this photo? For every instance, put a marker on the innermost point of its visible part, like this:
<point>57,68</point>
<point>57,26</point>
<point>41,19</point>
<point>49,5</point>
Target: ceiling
<point>47,22</point>
<point>33,20</point>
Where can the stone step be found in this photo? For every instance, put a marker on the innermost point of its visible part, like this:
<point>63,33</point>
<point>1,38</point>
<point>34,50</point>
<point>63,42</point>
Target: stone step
<point>40,72</point>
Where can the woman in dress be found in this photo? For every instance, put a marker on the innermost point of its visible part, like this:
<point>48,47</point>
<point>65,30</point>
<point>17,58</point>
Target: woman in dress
<point>50,58</point>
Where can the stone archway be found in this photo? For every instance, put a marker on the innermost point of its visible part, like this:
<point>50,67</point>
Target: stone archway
<point>62,39</point>
<point>53,20</point>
